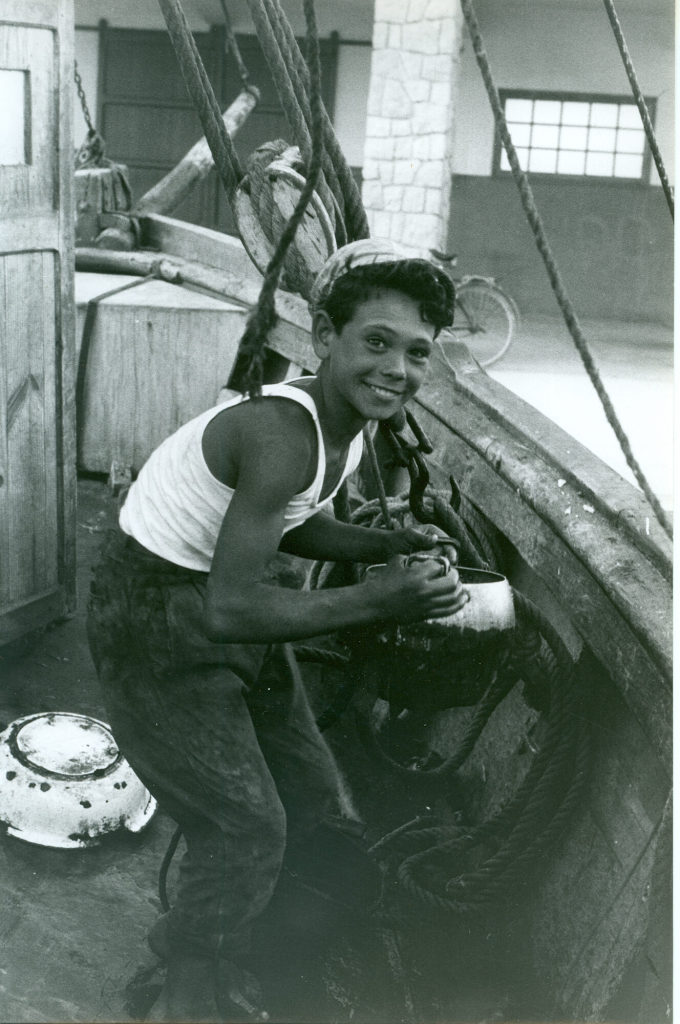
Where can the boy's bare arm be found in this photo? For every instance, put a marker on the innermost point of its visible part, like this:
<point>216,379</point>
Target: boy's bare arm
<point>325,538</point>
<point>242,609</point>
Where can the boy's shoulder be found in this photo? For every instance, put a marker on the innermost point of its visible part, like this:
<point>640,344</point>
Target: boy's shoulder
<point>272,430</point>
<point>264,414</point>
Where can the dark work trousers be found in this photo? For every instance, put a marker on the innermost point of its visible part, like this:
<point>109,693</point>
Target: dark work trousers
<point>221,734</point>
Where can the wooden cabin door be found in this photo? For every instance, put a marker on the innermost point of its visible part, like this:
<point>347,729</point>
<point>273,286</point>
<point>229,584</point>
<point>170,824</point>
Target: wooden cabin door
<point>149,122</point>
<point>37,463</point>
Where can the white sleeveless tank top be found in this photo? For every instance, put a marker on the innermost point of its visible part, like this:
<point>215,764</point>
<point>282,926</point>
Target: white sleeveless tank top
<point>176,506</point>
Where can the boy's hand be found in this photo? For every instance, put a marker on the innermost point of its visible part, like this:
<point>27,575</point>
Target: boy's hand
<point>410,593</point>
<point>419,538</point>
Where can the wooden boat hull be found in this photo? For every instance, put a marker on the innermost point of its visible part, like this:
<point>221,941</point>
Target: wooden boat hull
<point>584,546</point>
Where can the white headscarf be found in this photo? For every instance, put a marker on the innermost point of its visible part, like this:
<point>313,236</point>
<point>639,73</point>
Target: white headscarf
<point>364,253</point>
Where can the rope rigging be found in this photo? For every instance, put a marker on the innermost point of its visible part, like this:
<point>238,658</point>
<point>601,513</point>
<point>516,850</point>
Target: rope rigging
<point>640,100</point>
<point>233,47</point>
<point>263,317</point>
<point>201,92</point>
<point>543,246</point>
<point>338,190</point>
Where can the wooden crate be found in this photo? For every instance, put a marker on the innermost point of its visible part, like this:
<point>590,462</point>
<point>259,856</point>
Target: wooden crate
<point>159,354</point>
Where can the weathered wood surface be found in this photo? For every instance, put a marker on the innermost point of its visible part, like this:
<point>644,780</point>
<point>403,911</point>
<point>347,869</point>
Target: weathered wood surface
<point>195,165</point>
<point>290,336</point>
<point>159,354</point>
<point>37,412</point>
<point>29,553</point>
<point>97,190</point>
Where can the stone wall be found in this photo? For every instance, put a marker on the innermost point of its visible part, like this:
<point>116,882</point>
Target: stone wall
<point>409,128</point>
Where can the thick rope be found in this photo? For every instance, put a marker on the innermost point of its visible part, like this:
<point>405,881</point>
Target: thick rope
<point>288,90</point>
<point>527,825</point>
<point>289,52</point>
<point>554,276</point>
<point>263,317</point>
<point>642,106</point>
<point>233,47</point>
<point>347,194</point>
<point>201,92</point>
<point>377,479</point>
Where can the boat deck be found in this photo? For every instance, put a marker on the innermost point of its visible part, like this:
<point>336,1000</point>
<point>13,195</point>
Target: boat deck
<point>83,915</point>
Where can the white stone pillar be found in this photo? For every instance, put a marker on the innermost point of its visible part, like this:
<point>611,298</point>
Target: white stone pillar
<point>409,127</point>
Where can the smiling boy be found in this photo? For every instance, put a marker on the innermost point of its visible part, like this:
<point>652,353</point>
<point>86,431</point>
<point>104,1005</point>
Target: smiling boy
<point>185,622</point>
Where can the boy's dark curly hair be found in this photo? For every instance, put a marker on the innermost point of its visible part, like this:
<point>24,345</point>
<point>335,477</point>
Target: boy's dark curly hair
<point>429,286</point>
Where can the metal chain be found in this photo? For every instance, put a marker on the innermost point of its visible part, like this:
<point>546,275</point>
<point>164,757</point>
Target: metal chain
<point>81,97</point>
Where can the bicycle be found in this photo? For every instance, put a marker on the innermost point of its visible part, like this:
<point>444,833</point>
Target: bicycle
<point>485,317</point>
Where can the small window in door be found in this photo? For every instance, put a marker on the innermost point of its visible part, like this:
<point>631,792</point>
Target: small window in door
<point>15,126</point>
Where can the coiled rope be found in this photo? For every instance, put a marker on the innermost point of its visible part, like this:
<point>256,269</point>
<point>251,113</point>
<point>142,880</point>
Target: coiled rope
<point>506,845</point>
<point>543,246</point>
<point>524,829</point>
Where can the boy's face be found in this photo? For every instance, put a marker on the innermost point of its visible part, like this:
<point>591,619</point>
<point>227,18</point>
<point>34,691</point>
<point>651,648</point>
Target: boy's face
<point>379,359</point>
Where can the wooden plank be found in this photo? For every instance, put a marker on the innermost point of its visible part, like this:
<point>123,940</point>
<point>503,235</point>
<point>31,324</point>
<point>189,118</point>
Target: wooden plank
<point>65,321</point>
<point>583,947</point>
<point>31,233</point>
<point>599,484</point>
<point>143,379</point>
<point>198,244</point>
<point>37,494</point>
<point>31,449</point>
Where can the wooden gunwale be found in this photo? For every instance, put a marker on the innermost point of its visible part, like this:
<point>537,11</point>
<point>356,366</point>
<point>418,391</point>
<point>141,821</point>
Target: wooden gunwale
<point>614,594</point>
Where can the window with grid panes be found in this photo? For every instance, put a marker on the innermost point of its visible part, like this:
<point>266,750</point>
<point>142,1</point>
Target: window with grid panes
<point>576,135</point>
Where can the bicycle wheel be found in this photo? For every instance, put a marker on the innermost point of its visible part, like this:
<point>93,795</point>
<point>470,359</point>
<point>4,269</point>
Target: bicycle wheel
<point>485,319</point>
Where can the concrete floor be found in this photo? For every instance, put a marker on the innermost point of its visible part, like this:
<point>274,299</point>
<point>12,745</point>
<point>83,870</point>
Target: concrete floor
<point>73,922</point>
<point>635,362</point>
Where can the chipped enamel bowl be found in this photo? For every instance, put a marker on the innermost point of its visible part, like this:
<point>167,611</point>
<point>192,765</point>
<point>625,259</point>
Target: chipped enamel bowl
<point>64,782</point>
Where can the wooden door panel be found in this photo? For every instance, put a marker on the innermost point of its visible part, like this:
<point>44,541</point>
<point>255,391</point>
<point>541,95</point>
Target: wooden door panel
<point>28,186</point>
<point>37,437</point>
<point>29,558</point>
<point>155,132</point>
